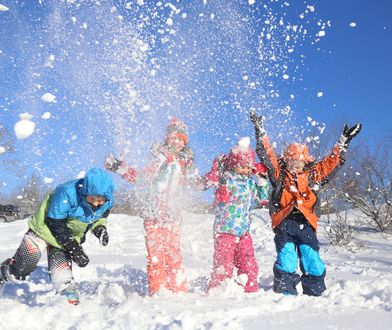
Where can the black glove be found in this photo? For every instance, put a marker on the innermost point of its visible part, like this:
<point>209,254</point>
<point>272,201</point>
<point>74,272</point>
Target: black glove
<point>76,253</point>
<point>258,124</point>
<point>348,134</point>
<point>115,165</point>
<point>102,234</point>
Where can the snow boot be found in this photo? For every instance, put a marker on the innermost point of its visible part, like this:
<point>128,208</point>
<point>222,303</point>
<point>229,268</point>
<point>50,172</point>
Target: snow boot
<point>71,295</point>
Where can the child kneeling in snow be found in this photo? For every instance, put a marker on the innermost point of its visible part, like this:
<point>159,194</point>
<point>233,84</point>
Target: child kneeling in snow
<point>60,226</point>
<point>240,183</point>
<point>294,208</point>
<point>167,175</point>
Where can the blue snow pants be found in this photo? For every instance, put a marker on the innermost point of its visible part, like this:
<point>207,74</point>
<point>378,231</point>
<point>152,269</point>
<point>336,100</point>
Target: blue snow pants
<point>296,239</point>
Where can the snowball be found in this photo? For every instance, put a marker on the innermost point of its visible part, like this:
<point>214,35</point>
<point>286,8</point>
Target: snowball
<point>48,97</point>
<point>251,2</point>
<point>286,76</point>
<point>319,94</point>
<point>46,115</point>
<point>24,127</point>
<point>2,150</point>
<point>3,8</point>
<point>353,24</point>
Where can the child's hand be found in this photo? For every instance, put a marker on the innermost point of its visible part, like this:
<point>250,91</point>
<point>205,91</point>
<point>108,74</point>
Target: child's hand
<point>258,124</point>
<point>260,170</point>
<point>348,134</point>
<point>115,165</point>
<point>222,195</point>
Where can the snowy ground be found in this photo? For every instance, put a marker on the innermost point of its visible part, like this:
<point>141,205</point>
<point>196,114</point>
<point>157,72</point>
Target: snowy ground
<point>113,286</point>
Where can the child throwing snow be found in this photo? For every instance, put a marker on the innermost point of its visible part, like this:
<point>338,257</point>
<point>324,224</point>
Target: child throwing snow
<point>239,183</point>
<point>171,169</point>
<point>60,226</point>
<point>294,208</point>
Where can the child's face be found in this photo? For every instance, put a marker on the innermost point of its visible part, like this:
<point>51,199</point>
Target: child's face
<point>243,170</point>
<point>175,143</point>
<point>95,201</point>
<point>295,166</point>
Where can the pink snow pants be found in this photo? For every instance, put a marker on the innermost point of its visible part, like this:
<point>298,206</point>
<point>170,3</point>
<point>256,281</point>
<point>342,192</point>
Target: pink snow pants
<point>233,251</point>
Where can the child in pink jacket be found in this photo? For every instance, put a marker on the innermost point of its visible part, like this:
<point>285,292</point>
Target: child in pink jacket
<point>240,184</point>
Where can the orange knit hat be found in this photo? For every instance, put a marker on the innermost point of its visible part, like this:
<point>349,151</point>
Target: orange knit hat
<point>177,128</point>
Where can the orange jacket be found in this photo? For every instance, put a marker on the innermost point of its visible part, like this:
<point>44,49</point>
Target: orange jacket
<point>297,190</point>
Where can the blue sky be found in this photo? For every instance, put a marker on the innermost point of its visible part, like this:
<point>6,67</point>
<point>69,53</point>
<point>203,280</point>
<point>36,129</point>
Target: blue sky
<point>121,68</point>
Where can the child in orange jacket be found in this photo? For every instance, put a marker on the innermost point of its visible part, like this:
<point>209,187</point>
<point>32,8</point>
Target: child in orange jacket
<point>294,208</point>
<point>171,169</point>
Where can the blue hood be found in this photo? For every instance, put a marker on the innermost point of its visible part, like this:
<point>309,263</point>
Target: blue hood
<point>98,182</point>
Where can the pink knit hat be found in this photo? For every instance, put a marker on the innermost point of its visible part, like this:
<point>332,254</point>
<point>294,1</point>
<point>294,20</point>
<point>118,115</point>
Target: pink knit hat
<point>241,155</point>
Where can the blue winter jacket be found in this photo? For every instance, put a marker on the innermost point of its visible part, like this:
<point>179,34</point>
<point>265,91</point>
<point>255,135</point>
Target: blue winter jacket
<point>65,213</point>
<point>69,199</point>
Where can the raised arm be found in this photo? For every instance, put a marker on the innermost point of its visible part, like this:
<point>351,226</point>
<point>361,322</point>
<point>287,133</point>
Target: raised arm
<point>327,167</point>
<point>119,166</point>
<point>264,150</point>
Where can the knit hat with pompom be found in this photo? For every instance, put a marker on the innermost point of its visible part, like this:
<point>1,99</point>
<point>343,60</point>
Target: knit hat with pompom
<point>241,155</point>
<point>178,129</point>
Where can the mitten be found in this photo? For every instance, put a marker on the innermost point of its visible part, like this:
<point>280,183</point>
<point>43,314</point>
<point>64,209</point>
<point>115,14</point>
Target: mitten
<point>115,165</point>
<point>218,167</point>
<point>102,234</point>
<point>76,253</point>
<point>260,169</point>
<point>258,124</point>
<point>222,195</point>
<point>348,134</point>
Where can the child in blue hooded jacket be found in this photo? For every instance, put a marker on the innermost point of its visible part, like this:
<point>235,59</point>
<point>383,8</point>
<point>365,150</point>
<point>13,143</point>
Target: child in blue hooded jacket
<point>60,226</point>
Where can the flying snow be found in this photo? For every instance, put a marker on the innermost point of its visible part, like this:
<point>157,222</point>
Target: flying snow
<point>49,63</point>
<point>46,115</point>
<point>2,150</point>
<point>48,180</point>
<point>48,97</point>
<point>353,24</point>
<point>320,94</point>
<point>24,127</point>
<point>321,33</point>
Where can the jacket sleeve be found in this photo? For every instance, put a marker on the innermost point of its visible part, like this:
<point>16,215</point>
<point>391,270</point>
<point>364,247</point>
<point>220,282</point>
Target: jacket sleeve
<point>267,155</point>
<point>59,229</point>
<point>327,167</point>
<point>130,175</point>
<point>262,187</point>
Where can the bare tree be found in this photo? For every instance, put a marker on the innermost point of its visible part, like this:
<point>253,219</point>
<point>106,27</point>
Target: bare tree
<point>30,196</point>
<point>367,184</point>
